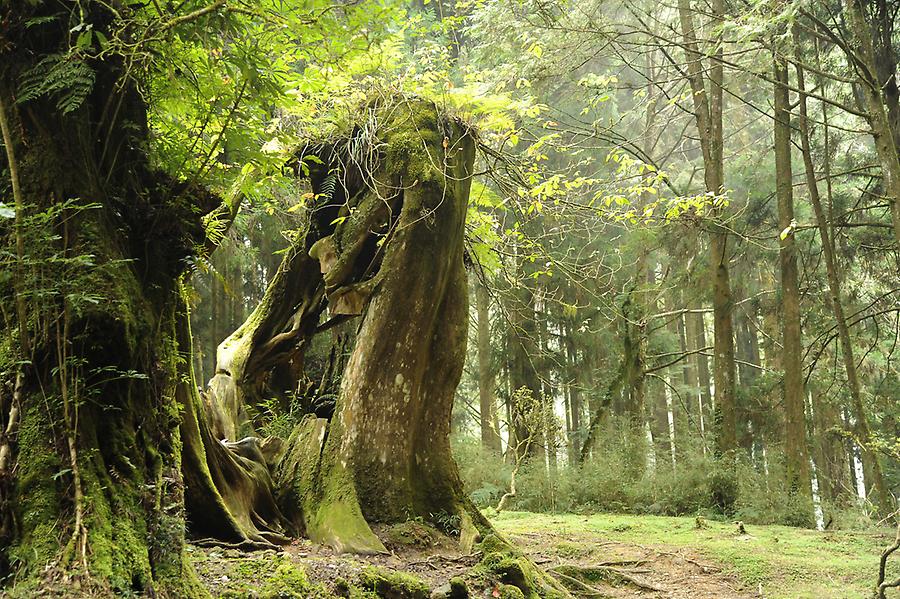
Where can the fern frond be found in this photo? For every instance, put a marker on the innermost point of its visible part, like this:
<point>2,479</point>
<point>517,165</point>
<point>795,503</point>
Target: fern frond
<point>67,77</point>
<point>40,20</point>
<point>328,186</point>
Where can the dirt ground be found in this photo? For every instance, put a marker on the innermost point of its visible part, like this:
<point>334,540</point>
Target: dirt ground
<point>655,572</point>
<point>614,569</point>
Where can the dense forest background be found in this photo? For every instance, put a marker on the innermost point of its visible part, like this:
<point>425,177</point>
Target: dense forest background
<point>591,284</point>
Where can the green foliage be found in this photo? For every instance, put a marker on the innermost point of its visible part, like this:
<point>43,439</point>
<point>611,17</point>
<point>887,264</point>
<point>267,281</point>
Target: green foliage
<point>66,77</point>
<point>277,422</point>
<point>484,474</point>
<point>723,486</point>
<point>55,276</point>
<point>698,486</point>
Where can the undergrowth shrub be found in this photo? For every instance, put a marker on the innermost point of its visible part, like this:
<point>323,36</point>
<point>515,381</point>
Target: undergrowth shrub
<point>484,472</point>
<point>698,485</point>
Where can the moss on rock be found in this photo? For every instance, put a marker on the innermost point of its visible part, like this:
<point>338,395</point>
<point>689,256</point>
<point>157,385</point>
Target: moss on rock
<point>509,591</point>
<point>393,585</point>
<point>504,564</point>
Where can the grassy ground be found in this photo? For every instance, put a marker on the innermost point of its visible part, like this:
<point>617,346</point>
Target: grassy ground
<point>775,562</point>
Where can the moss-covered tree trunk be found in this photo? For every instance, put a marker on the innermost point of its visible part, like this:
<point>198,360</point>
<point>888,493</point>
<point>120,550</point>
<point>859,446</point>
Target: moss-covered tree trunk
<point>396,257</point>
<point>109,445</point>
<point>263,358</point>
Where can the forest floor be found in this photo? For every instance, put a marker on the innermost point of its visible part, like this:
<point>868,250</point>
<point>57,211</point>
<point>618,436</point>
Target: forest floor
<point>649,557</point>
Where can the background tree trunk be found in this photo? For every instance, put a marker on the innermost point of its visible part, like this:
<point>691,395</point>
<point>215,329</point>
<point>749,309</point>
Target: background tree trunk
<point>708,116</point>
<point>871,466</point>
<point>797,454</point>
<point>490,436</point>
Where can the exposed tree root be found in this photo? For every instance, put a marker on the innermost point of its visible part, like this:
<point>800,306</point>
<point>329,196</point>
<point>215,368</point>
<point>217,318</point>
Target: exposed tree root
<point>579,587</point>
<point>12,422</point>
<point>244,545</point>
<point>503,563</point>
<point>613,576</point>
<point>622,562</point>
<point>229,493</point>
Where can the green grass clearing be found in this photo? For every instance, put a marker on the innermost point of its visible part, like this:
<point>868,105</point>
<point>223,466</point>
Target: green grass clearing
<point>788,563</point>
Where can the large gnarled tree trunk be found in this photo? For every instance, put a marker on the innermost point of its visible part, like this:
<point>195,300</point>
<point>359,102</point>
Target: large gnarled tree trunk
<point>385,243</point>
<point>109,445</point>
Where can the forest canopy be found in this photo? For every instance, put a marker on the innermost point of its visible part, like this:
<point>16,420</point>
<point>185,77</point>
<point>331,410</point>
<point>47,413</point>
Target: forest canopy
<point>354,272</point>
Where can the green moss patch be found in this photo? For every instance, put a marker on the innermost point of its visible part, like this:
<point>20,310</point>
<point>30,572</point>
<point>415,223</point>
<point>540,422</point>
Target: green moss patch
<point>504,564</point>
<point>268,575</point>
<point>508,591</point>
<point>388,584</point>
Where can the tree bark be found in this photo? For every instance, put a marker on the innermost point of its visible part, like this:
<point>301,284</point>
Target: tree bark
<point>634,388</point>
<point>490,436</point>
<point>523,350</point>
<point>385,456</point>
<point>263,357</point>
<point>696,331</point>
<point>708,116</point>
<point>745,407</point>
<point>796,449</point>
<point>129,451</point>
<point>574,387</point>
<point>871,465</point>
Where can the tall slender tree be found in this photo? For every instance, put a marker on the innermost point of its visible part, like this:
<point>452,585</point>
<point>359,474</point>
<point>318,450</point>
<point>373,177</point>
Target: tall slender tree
<point>490,436</point>
<point>707,93</point>
<point>871,465</point>
<point>797,454</point>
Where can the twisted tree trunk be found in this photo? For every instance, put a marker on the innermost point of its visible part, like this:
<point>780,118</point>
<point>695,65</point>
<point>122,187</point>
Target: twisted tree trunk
<point>384,242</point>
<point>398,259</point>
